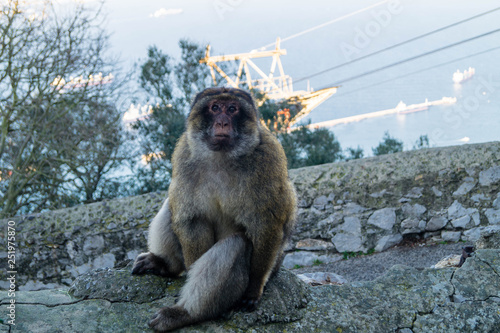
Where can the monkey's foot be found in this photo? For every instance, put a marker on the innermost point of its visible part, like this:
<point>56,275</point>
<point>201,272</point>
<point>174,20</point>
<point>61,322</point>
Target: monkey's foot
<point>149,263</point>
<point>248,304</point>
<point>167,319</point>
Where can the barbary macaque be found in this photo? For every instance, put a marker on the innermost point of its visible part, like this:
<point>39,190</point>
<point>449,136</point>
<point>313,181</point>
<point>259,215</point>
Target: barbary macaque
<point>229,214</point>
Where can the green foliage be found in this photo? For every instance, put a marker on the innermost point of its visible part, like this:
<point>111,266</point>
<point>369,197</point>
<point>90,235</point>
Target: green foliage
<point>305,147</point>
<point>422,142</point>
<point>389,145</point>
<point>317,262</point>
<point>270,111</point>
<point>347,255</point>
<point>170,87</point>
<point>354,153</point>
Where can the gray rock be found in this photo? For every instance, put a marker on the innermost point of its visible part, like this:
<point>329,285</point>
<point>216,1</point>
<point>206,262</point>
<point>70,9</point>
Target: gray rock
<point>320,202</point>
<point>461,222</point>
<point>387,241</point>
<point>436,223</point>
<point>352,208</point>
<point>111,226</point>
<point>93,245</point>
<point>384,218</point>
<point>493,215</point>
<point>451,236</point>
<point>121,285</point>
<point>306,258</point>
<point>415,193</point>
<point>436,192</point>
<point>303,204</point>
<point>348,243</point>
<point>478,287</point>
<point>415,299</point>
<point>331,221</point>
<point>473,234</point>
<point>489,176</point>
<point>71,249</point>
<point>133,254</point>
<point>476,218</point>
<point>107,297</point>
<point>456,210</point>
<point>351,225</point>
<point>459,317</point>
<point>413,211</point>
<point>378,194</point>
<point>322,278</point>
<point>478,197</point>
<point>37,285</point>
<point>465,188</point>
<point>309,244</point>
<point>496,203</point>
<point>106,260</point>
<point>489,239</point>
<point>412,226</point>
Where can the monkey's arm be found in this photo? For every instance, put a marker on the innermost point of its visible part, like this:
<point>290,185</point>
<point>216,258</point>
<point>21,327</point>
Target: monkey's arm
<point>196,237</point>
<point>165,256</point>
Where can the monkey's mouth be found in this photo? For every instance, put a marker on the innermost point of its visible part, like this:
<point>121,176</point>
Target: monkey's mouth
<point>221,142</point>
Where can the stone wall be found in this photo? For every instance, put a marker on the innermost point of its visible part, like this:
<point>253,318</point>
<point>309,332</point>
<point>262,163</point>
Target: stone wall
<point>447,193</point>
<point>404,300</point>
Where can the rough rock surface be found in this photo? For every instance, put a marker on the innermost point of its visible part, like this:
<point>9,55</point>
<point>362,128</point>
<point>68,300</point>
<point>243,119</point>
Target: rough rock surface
<point>362,205</point>
<point>405,299</point>
<point>371,204</point>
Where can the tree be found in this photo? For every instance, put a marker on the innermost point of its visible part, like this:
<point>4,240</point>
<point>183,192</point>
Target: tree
<point>354,153</point>
<point>422,142</point>
<point>276,114</point>
<point>304,147</point>
<point>48,75</point>
<point>389,145</point>
<point>170,87</point>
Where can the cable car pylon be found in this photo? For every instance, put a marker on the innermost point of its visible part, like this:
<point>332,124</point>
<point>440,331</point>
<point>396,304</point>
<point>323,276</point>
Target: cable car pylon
<point>274,87</point>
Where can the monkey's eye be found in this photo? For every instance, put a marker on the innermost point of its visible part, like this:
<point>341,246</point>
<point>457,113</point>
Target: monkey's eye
<point>232,109</point>
<point>215,108</point>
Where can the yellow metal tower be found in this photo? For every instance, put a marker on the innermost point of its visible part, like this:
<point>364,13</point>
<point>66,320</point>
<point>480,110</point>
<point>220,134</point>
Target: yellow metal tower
<point>275,87</point>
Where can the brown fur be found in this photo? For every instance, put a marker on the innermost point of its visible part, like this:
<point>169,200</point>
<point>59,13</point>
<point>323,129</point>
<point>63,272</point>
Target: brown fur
<point>232,206</point>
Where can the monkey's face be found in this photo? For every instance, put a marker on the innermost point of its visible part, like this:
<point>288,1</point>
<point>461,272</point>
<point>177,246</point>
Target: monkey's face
<point>222,116</point>
<point>225,120</point>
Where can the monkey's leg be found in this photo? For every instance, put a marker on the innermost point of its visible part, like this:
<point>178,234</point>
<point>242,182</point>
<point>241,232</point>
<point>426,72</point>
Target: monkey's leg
<point>165,255</point>
<point>266,253</point>
<point>215,283</point>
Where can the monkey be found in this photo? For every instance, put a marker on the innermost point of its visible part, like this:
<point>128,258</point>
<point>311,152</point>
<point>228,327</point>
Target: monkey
<point>230,211</point>
<point>467,252</point>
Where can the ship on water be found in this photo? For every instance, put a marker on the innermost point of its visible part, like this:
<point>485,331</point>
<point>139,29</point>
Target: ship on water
<point>401,108</point>
<point>459,77</point>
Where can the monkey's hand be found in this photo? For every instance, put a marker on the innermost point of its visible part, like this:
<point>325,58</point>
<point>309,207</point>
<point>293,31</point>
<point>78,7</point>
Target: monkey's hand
<point>149,263</point>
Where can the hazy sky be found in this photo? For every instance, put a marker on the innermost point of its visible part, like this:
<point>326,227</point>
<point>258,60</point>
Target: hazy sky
<point>235,26</point>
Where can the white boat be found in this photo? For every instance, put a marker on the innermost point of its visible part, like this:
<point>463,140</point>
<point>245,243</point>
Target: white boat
<point>403,108</point>
<point>459,77</point>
